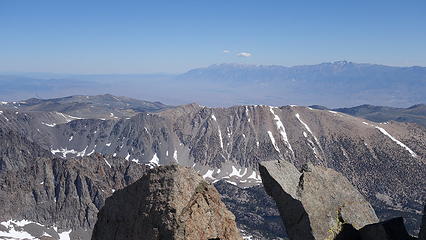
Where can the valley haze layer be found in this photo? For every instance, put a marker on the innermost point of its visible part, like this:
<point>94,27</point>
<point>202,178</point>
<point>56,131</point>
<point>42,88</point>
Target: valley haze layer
<point>332,84</point>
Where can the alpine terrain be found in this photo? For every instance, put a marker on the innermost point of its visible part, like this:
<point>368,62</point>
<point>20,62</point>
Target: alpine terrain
<point>60,161</point>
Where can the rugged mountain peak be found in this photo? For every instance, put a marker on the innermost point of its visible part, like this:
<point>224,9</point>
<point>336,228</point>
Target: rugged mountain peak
<point>43,197</point>
<point>316,202</point>
<point>16,151</point>
<point>169,202</point>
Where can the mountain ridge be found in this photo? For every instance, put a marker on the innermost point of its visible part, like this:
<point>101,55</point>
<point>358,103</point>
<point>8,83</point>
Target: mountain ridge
<point>340,83</point>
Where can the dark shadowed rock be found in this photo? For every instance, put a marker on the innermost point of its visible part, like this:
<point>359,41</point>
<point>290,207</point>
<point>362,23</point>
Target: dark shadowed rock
<point>314,203</point>
<point>255,211</point>
<point>170,202</point>
<point>392,229</point>
<point>422,234</point>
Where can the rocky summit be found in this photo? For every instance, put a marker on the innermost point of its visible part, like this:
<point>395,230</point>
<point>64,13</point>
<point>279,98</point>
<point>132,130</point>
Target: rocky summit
<point>316,202</point>
<point>169,202</point>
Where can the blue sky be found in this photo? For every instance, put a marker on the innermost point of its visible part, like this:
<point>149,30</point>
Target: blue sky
<point>175,36</point>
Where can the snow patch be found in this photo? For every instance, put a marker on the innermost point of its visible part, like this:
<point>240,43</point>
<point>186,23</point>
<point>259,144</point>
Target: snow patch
<point>135,160</point>
<point>255,176</point>
<point>175,155</point>
<point>218,129</point>
<point>413,154</point>
<point>49,124</point>
<point>231,182</point>
<point>65,235</point>
<point>273,141</point>
<point>209,174</point>
<point>64,151</point>
<point>67,117</point>
<point>281,129</point>
<point>109,165</point>
<point>307,128</point>
<point>154,162</point>
<point>237,172</point>
<point>93,151</point>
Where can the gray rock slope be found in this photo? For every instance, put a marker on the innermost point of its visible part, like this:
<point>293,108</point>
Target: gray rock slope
<point>316,202</point>
<point>168,202</point>
<point>384,161</point>
<point>40,194</point>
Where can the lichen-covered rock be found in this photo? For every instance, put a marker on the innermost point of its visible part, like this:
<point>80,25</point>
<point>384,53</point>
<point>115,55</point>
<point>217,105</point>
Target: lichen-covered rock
<point>169,202</point>
<point>314,203</point>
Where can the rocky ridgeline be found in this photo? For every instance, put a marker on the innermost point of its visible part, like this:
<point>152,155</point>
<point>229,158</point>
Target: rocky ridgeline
<point>43,196</point>
<point>384,161</point>
<point>170,202</point>
<point>319,203</point>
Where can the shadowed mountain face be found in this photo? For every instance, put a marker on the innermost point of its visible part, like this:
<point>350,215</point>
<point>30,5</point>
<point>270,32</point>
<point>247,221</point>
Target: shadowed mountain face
<point>334,84</point>
<point>55,198</point>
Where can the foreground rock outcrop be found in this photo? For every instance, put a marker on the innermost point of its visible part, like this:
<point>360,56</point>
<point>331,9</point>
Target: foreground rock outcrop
<point>314,203</point>
<point>170,202</point>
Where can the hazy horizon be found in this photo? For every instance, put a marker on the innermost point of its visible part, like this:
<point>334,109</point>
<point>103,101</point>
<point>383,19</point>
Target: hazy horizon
<point>201,67</point>
<point>101,37</point>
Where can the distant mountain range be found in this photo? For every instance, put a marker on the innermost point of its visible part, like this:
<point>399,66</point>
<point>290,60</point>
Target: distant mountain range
<point>335,84</point>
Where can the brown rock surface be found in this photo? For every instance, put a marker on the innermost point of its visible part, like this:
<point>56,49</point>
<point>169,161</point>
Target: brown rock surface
<point>170,202</point>
<point>314,203</point>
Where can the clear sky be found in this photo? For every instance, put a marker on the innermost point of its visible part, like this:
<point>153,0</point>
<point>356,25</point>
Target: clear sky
<point>174,36</point>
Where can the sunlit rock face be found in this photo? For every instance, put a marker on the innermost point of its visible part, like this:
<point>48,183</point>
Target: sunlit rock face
<point>169,202</point>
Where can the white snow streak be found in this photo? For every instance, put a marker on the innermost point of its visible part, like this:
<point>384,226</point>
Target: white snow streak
<point>175,155</point>
<point>49,125</point>
<point>273,141</point>
<point>109,165</point>
<point>307,128</point>
<point>281,129</point>
<point>218,129</point>
<point>67,117</point>
<point>413,154</point>
<point>209,174</point>
<point>237,172</point>
<point>382,130</point>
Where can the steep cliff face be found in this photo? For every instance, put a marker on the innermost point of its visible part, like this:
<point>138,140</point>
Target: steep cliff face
<point>17,152</point>
<point>45,192</point>
<point>316,202</point>
<point>170,202</point>
<point>255,211</point>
